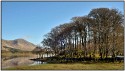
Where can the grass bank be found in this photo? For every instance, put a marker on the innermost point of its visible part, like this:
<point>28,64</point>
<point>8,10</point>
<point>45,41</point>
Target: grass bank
<point>16,54</point>
<point>75,66</point>
<point>10,55</point>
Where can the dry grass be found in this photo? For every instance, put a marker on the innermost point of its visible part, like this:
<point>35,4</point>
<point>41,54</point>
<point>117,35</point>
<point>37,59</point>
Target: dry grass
<point>76,66</point>
<point>17,54</point>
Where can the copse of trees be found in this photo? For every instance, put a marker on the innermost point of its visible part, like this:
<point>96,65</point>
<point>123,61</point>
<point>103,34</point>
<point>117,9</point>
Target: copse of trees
<point>100,33</point>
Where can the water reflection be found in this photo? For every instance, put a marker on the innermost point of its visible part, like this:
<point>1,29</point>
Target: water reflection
<point>17,61</point>
<point>20,61</point>
<point>38,62</point>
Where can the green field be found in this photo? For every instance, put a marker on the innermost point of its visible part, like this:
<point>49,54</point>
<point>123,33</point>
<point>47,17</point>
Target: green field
<point>75,66</point>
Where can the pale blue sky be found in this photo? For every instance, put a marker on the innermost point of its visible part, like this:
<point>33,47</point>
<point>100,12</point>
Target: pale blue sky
<point>32,20</point>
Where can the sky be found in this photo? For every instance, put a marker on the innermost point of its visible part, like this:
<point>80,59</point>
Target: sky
<point>32,20</point>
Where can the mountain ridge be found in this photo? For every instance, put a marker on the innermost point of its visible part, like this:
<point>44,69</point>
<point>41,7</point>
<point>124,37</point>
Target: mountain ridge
<point>20,44</point>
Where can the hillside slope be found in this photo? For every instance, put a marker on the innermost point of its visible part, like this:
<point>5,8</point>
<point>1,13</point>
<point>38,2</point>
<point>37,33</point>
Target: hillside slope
<point>20,44</point>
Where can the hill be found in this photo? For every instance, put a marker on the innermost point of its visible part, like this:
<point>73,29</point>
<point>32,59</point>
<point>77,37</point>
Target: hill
<point>17,44</point>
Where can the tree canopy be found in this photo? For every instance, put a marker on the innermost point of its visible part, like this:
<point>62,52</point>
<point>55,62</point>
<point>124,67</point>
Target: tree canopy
<point>101,32</point>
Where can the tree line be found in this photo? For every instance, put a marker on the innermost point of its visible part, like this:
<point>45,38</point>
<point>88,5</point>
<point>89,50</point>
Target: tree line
<point>100,34</point>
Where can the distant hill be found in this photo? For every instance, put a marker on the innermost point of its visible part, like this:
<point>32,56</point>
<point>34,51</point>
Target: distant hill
<point>17,44</point>
<point>37,49</point>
